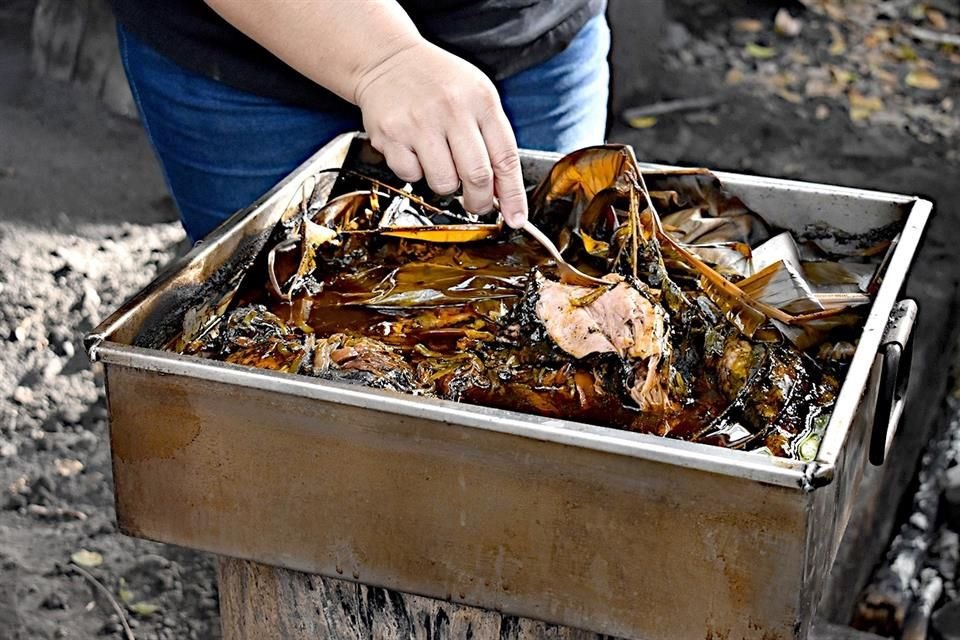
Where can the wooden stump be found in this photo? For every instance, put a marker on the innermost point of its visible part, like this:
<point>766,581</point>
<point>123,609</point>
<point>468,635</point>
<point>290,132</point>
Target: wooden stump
<point>260,602</point>
<point>75,41</point>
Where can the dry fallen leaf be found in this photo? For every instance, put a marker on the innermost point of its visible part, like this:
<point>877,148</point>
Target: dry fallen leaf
<point>87,559</point>
<point>920,79</point>
<point>68,467</point>
<point>937,20</point>
<point>126,595</point>
<point>871,103</point>
<point>643,122</point>
<point>759,51</point>
<point>144,608</point>
<point>20,486</point>
<point>906,52</point>
<point>885,77</point>
<point>841,76</point>
<point>838,46</point>
<point>748,25</point>
<point>861,106</point>
<point>786,25</point>
<point>878,36</point>
<point>834,11</point>
<point>790,96</point>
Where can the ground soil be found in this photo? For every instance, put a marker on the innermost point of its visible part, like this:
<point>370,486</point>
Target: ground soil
<point>85,221</point>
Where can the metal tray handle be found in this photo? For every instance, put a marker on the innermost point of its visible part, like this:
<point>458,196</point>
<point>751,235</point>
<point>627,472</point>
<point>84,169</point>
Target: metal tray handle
<point>896,353</point>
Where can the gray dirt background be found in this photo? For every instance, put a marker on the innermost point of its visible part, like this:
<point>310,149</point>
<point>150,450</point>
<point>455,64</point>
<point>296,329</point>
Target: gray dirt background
<point>85,221</point>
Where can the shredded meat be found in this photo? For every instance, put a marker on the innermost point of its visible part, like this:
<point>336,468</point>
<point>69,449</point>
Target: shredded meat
<point>619,320</point>
<point>649,390</point>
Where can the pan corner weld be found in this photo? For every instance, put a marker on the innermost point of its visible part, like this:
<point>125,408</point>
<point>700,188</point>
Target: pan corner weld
<point>712,326</point>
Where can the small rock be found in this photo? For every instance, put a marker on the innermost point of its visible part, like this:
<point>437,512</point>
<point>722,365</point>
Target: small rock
<point>68,468</point>
<point>21,331</point>
<point>76,259</point>
<point>52,424</point>
<point>7,449</point>
<point>72,414</point>
<point>20,486</point>
<point>58,337</point>
<point>85,441</point>
<point>54,600</point>
<point>110,628</point>
<point>23,395</point>
<point>52,369</point>
<point>90,304</point>
<point>786,25</point>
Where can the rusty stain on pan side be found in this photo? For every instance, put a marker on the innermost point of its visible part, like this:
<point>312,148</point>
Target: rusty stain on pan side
<point>542,530</point>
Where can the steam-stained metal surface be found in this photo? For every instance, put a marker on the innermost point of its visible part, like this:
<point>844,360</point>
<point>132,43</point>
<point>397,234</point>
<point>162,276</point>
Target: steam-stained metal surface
<point>538,529</point>
<point>615,532</point>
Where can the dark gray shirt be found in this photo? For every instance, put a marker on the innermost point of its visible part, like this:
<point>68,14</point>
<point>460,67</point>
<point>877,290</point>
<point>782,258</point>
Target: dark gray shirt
<point>502,37</point>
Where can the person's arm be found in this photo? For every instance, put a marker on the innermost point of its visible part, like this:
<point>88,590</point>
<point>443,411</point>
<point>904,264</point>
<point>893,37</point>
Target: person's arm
<point>429,112</point>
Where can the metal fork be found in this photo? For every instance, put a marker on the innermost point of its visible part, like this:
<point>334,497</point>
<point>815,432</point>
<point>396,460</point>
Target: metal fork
<point>569,274</point>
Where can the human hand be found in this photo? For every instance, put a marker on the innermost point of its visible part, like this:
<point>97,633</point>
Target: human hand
<point>434,115</point>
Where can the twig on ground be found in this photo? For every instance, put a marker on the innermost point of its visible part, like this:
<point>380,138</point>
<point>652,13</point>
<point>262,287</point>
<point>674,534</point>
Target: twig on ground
<point>55,513</point>
<point>934,36</point>
<point>671,106</point>
<point>106,592</point>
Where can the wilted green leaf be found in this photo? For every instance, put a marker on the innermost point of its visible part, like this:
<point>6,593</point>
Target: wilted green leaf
<point>808,449</point>
<point>759,51</point>
<point>87,559</point>
<point>125,594</point>
<point>643,122</point>
<point>144,608</point>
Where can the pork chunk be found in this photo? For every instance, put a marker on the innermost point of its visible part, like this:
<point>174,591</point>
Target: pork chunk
<point>619,320</point>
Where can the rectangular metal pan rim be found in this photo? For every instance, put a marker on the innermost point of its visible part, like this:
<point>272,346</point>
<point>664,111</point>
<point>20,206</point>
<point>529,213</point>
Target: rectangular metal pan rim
<point>753,466</point>
<point>693,455</point>
<point>855,383</point>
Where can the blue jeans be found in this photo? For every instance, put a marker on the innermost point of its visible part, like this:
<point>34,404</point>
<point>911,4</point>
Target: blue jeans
<point>221,148</point>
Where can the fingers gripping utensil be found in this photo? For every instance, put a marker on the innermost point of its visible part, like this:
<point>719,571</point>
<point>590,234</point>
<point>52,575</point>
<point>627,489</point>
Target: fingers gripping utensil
<point>568,273</point>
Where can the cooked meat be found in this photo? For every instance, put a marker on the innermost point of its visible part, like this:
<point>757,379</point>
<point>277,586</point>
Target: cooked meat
<point>649,390</point>
<point>344,356</point>
<point>619,320</point>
